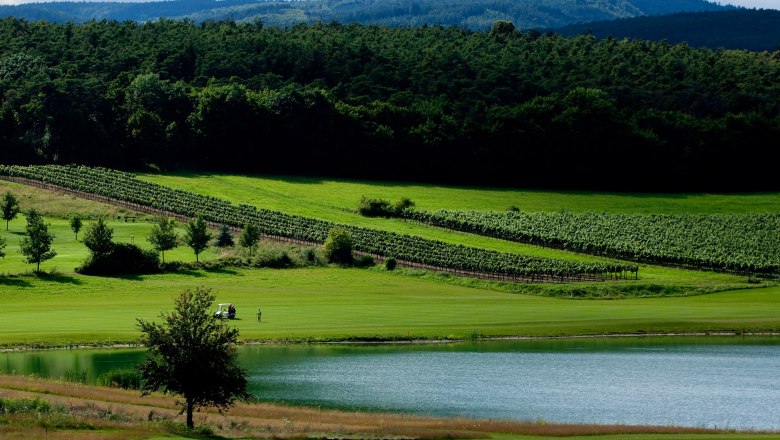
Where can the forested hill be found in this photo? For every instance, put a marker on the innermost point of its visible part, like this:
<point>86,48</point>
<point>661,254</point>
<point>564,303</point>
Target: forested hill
<point>748,29</point>
<point>428,103</point>
<point>471,14</point>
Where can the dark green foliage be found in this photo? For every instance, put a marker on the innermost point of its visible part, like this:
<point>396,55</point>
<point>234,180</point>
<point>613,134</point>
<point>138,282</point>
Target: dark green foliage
<point>36,245</point>
<point>193,355</point>
<point>2,246</point>
<point>163,235</point>
<point>127,379</point>
<point>390,263</point>
<point>97,238</point>
<point>338,247</point>
<point>364,261</point>
<point>432,103</point>
<point>75,224</point>
<point>224,238</point>
<point>123,259</point>
<point>197,235</point>
<point>382,208</point>
<point>10,208</point>
<point>375,207</point>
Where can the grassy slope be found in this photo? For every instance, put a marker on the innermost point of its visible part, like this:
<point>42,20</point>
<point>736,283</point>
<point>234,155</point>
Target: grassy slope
<point>333,200</point>
<point>328,303</point>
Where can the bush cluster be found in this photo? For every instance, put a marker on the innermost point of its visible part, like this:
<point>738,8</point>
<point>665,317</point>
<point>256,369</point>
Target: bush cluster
<point>369,207</point>
<point>123,259</point>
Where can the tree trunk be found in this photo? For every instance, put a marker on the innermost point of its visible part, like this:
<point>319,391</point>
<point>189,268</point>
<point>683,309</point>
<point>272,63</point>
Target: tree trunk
<point>190,425</point>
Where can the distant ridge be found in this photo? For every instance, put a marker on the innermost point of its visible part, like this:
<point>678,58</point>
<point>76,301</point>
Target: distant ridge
<point>750,29</point>
<point>471,14</point>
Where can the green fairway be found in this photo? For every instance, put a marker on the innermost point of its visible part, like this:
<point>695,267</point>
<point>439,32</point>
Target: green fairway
<point>332,303</point>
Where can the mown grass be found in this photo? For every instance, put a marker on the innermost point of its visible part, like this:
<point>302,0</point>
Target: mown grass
<point>321,304</point>
<point>87,412</point>
<point>318,197</point>
<point>72,253</point>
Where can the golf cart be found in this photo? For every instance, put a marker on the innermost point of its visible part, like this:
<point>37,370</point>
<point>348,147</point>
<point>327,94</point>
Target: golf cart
<point>225,310</point>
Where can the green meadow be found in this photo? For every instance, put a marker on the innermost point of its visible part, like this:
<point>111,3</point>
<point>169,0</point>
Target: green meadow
<point>322,304</point>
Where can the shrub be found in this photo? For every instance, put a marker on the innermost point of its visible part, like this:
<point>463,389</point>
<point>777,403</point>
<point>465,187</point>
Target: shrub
<point>403,204</point>
<point>127,379</point>
<point>375,207</point>
<point>23,405</point>
<point>273,260</point>
<point>123,259</point>
<point>365,261</point>
<point>338,247</point>
<point>390,263</point>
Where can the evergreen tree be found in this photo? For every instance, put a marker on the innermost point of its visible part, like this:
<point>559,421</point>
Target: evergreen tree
<point>225,238</point>
<point>97,238</point>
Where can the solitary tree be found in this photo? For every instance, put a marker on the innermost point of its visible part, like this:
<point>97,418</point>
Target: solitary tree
<point>197,235</point>
<point>193,355</point>
<point>75,224</point>
<point>36,246</point>
<point>338,246</point>
<point>163,236</point>
<point>249,237</point>
<point>10,208</point>
<point>97,238</point>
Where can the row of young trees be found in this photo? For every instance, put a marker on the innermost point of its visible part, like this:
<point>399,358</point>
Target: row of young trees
<point>500,106</point>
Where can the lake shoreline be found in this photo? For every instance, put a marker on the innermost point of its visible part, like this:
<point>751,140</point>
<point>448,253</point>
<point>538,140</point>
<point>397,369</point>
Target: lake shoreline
<point>391,341</point>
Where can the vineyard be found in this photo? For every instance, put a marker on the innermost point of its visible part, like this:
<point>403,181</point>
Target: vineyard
<point>744,243</point>
<point>123,186</point>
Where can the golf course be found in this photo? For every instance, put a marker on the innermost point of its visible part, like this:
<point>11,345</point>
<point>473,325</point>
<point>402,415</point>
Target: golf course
<point>312,301</point>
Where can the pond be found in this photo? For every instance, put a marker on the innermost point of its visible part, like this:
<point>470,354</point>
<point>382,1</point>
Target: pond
<point>711,382</point>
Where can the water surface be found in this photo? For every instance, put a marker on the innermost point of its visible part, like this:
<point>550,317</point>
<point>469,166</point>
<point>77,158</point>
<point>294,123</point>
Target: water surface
<point>711,382</point>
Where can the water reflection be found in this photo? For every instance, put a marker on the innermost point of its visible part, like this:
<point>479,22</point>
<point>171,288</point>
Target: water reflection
<point>714,382</point>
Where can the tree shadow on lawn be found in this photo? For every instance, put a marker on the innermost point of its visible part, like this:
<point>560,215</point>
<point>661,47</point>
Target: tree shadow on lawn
<point>59,278</point>
<point>223,271</point>
<point>14,281</point>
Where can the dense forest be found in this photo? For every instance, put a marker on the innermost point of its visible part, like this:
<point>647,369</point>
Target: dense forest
<point>470,14</point>
<point>748,29</point>
<point>426,103</point>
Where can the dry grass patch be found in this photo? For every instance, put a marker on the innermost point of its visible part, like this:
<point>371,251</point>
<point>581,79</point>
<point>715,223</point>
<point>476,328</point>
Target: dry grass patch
<point>87,412</point>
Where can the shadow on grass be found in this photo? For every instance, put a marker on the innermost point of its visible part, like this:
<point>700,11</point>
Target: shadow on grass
<point>223,271</point>
<point>190,272</point>
<point>14,281</point>
<point>58,278</point>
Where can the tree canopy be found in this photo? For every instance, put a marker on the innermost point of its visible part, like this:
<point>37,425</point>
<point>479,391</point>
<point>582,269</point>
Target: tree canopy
<point>507,107</point>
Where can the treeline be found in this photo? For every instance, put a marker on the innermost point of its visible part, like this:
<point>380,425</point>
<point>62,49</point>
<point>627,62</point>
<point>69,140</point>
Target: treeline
<point>749,29</point>
<point>471,14</point>
<point>428,103</point>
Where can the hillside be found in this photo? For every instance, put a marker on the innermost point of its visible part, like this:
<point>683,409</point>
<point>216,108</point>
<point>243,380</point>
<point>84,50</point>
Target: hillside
<point>431,104</point>
<point>749,29</point>
<point>473,14</point>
